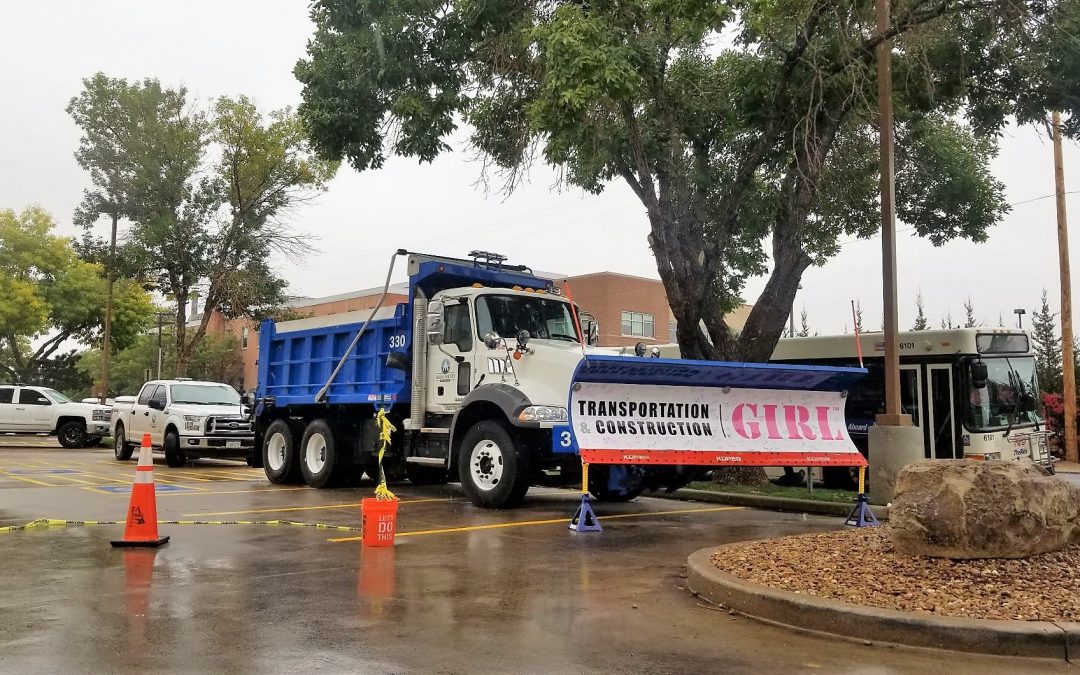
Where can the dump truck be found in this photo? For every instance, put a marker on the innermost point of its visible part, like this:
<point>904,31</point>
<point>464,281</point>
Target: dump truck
<point>475,373</point>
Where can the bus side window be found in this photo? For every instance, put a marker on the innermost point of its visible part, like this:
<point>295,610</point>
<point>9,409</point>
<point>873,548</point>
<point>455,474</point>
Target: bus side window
<point>909,393</point>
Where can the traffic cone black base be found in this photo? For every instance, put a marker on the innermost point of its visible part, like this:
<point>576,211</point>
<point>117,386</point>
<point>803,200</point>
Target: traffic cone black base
<point>135,544</point>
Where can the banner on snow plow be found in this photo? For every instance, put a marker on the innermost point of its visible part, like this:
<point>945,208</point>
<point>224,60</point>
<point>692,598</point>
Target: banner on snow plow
<point>666,411</point>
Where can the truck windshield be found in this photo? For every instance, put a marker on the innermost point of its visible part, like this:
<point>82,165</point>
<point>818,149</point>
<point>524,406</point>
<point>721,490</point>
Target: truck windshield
<point>507,315</point>
<point>56,396</point>
<point>994,407</point>
<point>201,394</point>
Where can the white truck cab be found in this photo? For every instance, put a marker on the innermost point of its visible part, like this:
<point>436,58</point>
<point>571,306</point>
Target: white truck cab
<point>187,419</point>
<point>41,410</point>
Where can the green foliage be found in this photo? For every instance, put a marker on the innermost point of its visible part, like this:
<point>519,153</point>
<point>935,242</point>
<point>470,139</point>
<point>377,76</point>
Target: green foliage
<point>752,156</point>
<point>49,296</point>
<point>920,318</point>
<point>969,315</point>
<point>1047,344</point>
<point>215,358</point>
<point>858,318</point>
<point>804,325</point>
<point>205,193</point>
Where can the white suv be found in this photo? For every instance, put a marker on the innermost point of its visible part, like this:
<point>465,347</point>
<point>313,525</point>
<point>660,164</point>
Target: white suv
<point>40,410</point>
<point>187,419</point>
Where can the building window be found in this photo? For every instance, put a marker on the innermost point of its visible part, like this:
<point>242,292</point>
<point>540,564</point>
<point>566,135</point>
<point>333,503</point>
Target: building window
<point>243,337</point>
<point>637,324</point>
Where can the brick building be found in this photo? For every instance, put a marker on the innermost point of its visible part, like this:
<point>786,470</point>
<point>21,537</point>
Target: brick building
<point>629,309</point>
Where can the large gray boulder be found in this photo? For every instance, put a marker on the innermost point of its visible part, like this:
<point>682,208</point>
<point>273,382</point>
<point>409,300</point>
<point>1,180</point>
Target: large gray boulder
<point>968,509</point>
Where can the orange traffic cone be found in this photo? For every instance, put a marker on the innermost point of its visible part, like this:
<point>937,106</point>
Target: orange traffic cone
<point>141,527</point>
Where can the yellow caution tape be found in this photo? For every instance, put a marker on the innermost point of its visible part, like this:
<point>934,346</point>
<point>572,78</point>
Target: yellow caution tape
<point>54,522</point>
<point>386,428</point>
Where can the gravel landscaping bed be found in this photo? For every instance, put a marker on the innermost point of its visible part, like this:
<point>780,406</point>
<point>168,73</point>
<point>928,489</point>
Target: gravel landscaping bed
<point>860,566</point>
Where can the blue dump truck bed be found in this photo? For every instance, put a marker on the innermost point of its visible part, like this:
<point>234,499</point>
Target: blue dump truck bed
<point>296,360</point>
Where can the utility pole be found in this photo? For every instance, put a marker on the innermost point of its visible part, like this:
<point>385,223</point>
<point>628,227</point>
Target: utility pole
<point>110,275</point>
<point>892,416</point>
<point>1068,379</point>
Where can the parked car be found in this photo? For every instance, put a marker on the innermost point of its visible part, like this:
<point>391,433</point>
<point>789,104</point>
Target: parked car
<point>186,419</point>
<point>27,409</point>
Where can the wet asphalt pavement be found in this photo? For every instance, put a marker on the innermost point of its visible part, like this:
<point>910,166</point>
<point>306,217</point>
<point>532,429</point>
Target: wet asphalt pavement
<point>464,590</point>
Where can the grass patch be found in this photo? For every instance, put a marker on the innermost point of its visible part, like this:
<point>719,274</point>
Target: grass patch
<point>770,490</point>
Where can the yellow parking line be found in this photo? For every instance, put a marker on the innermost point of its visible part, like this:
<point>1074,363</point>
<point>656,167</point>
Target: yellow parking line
<point>190,476</point>
<point>232,492</point>
<point>30,480</point>
<point>312,508</point>
<point>58,476</point>
<point>549,521</point>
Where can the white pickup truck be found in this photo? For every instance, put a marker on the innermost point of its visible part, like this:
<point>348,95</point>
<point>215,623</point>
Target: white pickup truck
<point>185,418</point>
<point>40,410</point>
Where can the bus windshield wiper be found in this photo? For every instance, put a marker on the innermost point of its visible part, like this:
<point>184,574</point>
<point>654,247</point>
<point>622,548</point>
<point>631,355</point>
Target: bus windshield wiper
<point>1018,389</point>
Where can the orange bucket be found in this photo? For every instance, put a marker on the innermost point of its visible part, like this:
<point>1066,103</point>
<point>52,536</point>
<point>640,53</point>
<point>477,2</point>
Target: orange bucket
<point>378,520</point>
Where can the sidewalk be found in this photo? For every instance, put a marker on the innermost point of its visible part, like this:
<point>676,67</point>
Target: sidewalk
<point>1067,467</point>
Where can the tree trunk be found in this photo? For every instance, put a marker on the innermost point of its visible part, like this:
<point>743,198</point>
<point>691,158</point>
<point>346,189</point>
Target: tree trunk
<point>180,362</point>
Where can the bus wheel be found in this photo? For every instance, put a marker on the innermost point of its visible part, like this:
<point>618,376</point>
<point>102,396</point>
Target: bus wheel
<point>493,466</point>
<point>318,454</point>
<point>840,477</point>
<point>279,454</point>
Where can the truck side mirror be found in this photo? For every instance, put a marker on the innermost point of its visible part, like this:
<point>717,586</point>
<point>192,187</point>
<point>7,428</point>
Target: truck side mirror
<point>155,404</point>
<point>435,323</point>
<point>248,399</point>
<point>979,375</point>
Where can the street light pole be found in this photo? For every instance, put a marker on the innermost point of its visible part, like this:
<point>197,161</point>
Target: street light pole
<point>892,416</point>
<point>1068,379</point>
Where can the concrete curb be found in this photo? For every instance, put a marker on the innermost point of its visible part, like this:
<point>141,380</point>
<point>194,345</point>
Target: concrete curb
<point>768,502</point>
<point>1032,639</point>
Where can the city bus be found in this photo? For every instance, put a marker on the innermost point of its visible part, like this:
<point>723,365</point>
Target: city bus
<point>972,391</point>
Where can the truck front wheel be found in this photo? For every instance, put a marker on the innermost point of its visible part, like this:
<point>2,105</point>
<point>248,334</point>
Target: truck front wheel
<point>279,454</point>
<point>174,454</point>
<point>493,466</point>
<point>72,434</point>
<point>318,454</point>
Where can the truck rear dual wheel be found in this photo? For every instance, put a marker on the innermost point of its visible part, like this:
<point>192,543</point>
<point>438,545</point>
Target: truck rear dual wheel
<point>318,455</point>
<point>279,456</point>
<point>494,467</point>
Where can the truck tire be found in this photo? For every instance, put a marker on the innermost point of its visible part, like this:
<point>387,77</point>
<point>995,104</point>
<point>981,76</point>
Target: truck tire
<point>494,467</point>
<point>426,475</point>
<point>279,456</point>
<point>840,477</point>
<point>121,448</point>
<point>72,434</point>
<point>318,454</point>
<point>174,455</point>
<point>598,486</point>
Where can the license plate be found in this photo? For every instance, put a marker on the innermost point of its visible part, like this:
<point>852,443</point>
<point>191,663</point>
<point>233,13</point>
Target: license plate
<point>232,444</point>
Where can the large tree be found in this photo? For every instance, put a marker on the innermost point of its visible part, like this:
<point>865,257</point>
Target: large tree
<point>49,297</point>
<point>1047,346</point>
<point>746,129</point>
<point>205,192</point>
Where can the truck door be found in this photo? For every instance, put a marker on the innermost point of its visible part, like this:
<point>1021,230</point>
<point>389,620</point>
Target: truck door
<point>157,415</point>
<point>7,408</point>
<point>449,366</point>
<point>33,411</point>
<point>138,418</point>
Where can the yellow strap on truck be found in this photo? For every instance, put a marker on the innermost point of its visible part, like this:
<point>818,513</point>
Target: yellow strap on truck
<point>386,428</point>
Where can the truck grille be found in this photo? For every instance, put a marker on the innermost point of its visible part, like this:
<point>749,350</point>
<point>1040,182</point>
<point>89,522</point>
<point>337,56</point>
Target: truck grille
<point>228,426</point>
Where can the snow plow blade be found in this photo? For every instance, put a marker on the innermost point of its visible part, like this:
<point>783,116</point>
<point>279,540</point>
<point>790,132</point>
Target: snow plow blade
<point>706,413</point>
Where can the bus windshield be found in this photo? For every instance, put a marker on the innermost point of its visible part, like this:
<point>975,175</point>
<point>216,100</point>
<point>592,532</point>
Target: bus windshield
<point>507,315</point>
<point>997,405</point>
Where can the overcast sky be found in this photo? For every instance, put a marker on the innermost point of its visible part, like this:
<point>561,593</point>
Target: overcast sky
<point>250,47</point>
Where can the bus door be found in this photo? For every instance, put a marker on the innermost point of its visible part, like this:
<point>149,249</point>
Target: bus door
<point>941,417</point>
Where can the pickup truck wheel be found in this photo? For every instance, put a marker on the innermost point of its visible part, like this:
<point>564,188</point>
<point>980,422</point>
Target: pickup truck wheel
<point>72,434</point>
<point>426,475</point>
<point>121,448</point>
<point>493,466</point>
<point>279,456</point>
<point>318,454</point>
<point>174,456</point>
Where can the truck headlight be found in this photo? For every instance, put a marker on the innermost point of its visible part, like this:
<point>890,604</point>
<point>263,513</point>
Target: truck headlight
<point>193,422</point>
<point>543,413</point>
